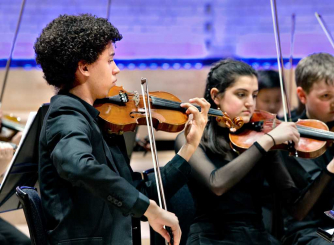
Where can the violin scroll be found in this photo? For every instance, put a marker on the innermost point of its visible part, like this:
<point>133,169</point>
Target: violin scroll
<point>238,122</point>
<point>233,125</point>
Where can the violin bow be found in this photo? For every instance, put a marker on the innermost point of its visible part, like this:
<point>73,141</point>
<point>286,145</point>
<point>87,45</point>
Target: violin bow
<point>280,64</point>
<point>292,41</point>
<point>9,61</point>
<point>324,28</point>
<point>285,101</point>
<point>160,188</point>
<point>108,9</point>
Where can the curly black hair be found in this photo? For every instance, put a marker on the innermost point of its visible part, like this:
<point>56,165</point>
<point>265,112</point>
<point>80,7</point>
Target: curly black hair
<point>268,79</point>
<point>69,39</point>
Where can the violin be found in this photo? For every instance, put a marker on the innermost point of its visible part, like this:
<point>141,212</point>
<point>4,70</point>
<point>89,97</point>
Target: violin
<point>315,136</point>
<point>122,111</point>
<point>10,122</point>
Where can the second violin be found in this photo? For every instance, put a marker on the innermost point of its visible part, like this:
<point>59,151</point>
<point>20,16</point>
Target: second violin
<point>315,136</point>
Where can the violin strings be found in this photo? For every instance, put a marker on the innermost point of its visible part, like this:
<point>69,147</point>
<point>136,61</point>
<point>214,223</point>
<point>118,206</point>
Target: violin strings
<point>314,131</point>
<point>309,129</point>
<point>176,105</point>
<point>164,102</point>
<point>269,123</point>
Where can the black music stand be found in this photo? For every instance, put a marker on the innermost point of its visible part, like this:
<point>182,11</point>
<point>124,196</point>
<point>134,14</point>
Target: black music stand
<point>328,235</point>
<point>23,169</point>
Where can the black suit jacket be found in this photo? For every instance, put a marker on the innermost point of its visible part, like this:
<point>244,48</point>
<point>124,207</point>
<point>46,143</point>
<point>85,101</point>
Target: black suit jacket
<point>87,185</point>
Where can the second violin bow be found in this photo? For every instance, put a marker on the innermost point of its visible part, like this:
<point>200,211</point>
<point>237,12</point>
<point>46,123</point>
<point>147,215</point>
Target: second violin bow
<point>11,51</point>
<point>160,189</point>
<point>324,28</point>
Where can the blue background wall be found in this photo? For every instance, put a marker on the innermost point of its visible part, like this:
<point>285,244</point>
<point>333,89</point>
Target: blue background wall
<point>178,33</point>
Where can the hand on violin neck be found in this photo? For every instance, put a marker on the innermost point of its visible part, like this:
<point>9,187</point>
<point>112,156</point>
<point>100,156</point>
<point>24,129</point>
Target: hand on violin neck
<point>284,132</point>
<point>158,218</point>
<point>195,127</point>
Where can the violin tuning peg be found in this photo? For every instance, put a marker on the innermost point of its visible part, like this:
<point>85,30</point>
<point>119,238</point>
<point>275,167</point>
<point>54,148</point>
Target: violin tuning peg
<point>238,122</point>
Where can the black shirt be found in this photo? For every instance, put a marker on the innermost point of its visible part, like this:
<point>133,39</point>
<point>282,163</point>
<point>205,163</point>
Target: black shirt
<point>228,188</point>
<point>241,177</point>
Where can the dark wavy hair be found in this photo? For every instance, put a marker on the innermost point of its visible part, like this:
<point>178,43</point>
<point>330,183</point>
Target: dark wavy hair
<point>268,79</point>
<point>69,39</point>
<point>222,75</point>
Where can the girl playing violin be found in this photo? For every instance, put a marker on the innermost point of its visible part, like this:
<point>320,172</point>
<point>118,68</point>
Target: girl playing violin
<point>88,188</point>
<point>226,186</point>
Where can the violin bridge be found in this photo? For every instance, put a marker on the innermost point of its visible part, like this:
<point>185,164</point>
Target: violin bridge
<point>136,98</point>
<point>274,124</point>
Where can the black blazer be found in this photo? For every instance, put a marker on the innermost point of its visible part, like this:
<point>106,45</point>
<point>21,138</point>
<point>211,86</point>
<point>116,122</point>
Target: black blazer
<point>87,185</point>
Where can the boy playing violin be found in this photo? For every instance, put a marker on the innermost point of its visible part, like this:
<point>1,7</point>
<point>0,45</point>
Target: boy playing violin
<point>315,89</point>
<point>88,188</point>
